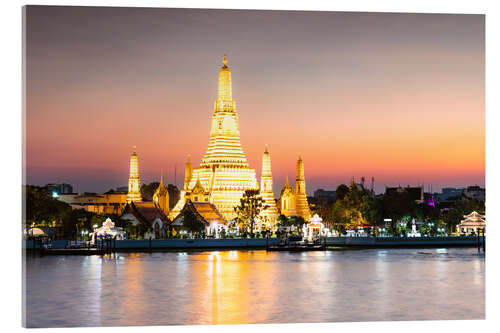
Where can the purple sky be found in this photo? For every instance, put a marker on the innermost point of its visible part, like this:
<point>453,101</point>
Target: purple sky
<point>396,96</point>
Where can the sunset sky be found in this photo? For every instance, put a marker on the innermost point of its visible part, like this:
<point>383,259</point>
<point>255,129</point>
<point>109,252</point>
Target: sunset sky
<point>396,96</point>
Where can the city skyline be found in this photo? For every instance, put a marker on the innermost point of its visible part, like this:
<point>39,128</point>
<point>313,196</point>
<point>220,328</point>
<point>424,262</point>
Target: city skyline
<point>396,96</point>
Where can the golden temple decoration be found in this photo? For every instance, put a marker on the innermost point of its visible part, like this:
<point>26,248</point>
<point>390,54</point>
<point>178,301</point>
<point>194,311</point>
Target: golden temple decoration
<point>134,182</point>
<point>224,174</point>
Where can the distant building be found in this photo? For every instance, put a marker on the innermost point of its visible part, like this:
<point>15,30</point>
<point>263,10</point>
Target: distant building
<point>322,197</point>
<point>429,199</point>
<point>322,194</point>
<point>475,192</point>
<point>416,193</point>
<point>450,192</point>
<point>111,202</point>
<point>58,189</point>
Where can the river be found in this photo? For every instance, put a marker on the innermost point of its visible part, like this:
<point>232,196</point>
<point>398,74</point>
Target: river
<point>243,287</point>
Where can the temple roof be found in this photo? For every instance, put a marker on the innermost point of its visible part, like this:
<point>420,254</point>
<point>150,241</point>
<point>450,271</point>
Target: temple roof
<point>287,187</point>
<point>146,212</point>
<point>473,218</point>
<point>206,212</point>
<point>209,212</point>
<point>160,190</point>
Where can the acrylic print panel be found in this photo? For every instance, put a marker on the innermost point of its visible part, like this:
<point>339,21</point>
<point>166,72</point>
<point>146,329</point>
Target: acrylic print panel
<point>196,166</point>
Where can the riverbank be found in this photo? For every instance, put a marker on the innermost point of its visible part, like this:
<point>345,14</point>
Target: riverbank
<point>62,246</point>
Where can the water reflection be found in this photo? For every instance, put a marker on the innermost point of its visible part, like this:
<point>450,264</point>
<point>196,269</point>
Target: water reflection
<point>234,287</point>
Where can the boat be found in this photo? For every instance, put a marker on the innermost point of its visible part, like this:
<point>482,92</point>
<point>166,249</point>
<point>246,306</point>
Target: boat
<point>297,244</point>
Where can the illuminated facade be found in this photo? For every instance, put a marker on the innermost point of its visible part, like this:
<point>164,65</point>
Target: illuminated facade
<point>270,213</point>
<point>134,182</point>
<point>224,174</point>
<point>111,202</point>
<point>160,197</point>
<point>302,206</point>
<point>294,203</point>
<point>472,223</point>
<point>287,200</point>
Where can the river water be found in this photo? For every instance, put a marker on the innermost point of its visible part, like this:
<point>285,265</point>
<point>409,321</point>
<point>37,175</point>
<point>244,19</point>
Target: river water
<point>243,287</point>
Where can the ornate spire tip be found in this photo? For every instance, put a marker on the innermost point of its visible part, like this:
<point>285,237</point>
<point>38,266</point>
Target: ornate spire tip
<point>225,60</point>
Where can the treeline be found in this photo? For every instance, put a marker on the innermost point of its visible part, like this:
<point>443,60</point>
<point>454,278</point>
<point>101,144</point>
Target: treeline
<point>356,206</point>
<point>42,210</point>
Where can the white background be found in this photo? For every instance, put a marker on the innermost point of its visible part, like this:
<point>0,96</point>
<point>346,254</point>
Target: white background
<point>11,157</point>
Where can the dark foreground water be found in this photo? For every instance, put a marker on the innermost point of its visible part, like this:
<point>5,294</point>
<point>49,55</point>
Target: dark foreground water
<point>237,287</point>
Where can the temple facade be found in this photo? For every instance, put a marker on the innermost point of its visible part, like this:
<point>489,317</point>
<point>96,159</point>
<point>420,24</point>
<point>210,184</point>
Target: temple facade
<point>270,213</point>
<point>471,224</point>
<point>161,198</point>
<point>294,202</point>
<point>224,174</point>
<point>287,200</point>
<point>134,182</point>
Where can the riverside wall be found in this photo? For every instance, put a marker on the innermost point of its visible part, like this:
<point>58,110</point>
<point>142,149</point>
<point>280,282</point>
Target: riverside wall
<point>262,243</point>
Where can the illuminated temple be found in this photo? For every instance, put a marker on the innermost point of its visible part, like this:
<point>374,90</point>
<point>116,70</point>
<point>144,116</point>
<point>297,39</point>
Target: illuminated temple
<point>270,213</point>
<point>224,174</point>
<point>294,202</point>
<point>134,182</point>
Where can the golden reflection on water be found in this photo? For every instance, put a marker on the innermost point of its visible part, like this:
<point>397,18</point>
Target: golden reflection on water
<point>240,287</point>
<point>225,290</point>
<point>133,286</point>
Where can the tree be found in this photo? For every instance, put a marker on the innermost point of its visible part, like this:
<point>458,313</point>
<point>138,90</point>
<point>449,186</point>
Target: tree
<point>147,191</point>
<point>356,207</point>
<point>282,220</point>
<point>462,206</point>
<point>41,209</point>
<point>397,204</point>
<point>248,210</point>
<point>325,211</point>
<point>296,221</point>
<point>425,212</point>
<point>341,192</point>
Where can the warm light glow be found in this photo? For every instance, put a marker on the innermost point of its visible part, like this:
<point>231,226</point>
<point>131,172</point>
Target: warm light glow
<point>224,174</point>
<point>270,211</point>
<point>134,182</point>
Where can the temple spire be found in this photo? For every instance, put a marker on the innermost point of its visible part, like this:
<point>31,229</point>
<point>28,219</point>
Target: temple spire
<point>302,206</point>
<point>134,182</point>
<point>225,98</point>
<point>270,213</point>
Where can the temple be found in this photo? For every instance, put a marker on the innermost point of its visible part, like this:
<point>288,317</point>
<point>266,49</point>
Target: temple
<point>224,174</point>
<point>471,224</point>
<point>161,198</point>
<point>134,182</point>
<point>294,203</point>
<point>270,212</point>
